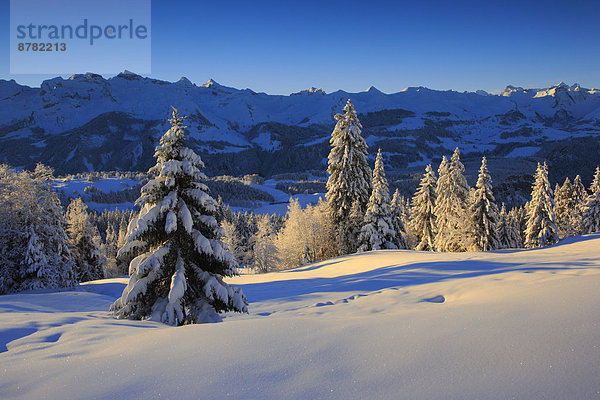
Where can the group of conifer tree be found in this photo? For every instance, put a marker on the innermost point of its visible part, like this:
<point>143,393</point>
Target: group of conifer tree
<point>445,214</point>
<point>179,247</point>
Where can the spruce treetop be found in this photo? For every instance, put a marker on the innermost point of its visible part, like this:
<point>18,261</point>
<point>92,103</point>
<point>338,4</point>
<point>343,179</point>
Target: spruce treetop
<point>349,175</point>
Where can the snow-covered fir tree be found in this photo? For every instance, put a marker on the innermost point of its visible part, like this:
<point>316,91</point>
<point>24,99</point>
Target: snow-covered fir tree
<point>356,222</point>
<point>541,220</point>
<point>484,212</point>
<point>580,196</point>
<point>591,212</point>
<point>563,208</point>
<point>442,189</point>
<point>451,207</point>
<point>35,252</point>
<point>85,239</point>
<point>502,228</point>
<point>378,231</point>
<point>508,231</point>
<point>515,234</point>
<point>399,215</point>
<point>110,245</point>
<point>423,221</point>
<point>123,259</point>
<point>177,274</point>
<point>349,175</point>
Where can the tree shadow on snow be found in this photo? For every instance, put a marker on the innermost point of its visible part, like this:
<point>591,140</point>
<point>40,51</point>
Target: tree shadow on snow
<point>394,276</point>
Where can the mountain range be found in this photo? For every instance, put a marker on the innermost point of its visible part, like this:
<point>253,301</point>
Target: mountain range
<point>88,123</point>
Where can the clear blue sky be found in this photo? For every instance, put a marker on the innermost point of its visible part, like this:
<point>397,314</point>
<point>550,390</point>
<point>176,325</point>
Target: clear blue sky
<point>284,46</point>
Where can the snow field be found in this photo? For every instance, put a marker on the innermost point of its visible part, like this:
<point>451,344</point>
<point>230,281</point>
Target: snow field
<point>512,324</point>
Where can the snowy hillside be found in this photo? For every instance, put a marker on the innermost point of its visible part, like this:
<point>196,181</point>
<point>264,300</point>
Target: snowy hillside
<point>88,122</point>
<point>379,325</point>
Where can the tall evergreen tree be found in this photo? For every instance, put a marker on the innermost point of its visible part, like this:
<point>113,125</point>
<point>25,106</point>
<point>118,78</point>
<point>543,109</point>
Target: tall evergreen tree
<point>563,207</point>
<point>85,239</point>
<point>349,174</point>
<point>580,196</point>
<point>397,207</point>
<point>484,213</point>
<point>515,220</point>
<point>502,229</point>
<point>591,211</point>
<point>378,231</point>
<point>423,219</point>
<point>541,220</point>
<point>177,275</point>
<point>355,224</point>
<point>451,207</point>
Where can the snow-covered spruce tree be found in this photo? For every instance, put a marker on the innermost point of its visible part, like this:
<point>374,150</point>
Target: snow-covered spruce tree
<point>513,230</point>
<point>177,274</point>
<point>591,211</point>
<point>110,246</point>
<point>484,213</point>
<point>563,208</point>
<point>122,259</point>
<point>508,230</point>
<point>378,231</point>
<point>541,220</point>
<point>349,175</point>
<point>356,221</point>
<point>399,213</point>
<point>579,199</point>
<point>451,207</point>
<point>423,221</point>
<point>441,190</point>
<point>86,243</point>
<point>502,228</point>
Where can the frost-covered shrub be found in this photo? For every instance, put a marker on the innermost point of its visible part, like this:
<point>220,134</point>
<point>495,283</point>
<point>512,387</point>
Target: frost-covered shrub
<point>34,253</point>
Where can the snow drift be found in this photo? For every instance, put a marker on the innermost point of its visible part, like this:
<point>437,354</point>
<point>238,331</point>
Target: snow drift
<point>380,325</point>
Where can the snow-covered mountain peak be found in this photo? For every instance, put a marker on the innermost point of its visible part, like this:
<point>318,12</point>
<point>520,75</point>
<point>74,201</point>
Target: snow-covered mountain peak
<point>211,83</point>
<point>510,89</point>
<point>310,91</point>
<point>373,90</point>
<point>85,77</point>
<point>131,76</point>
<point>65,118</point>
<point>185,81</point>
<point>564,94</point>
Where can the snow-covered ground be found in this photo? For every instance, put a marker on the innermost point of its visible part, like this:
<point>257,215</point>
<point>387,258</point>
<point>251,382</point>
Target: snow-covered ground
<point>77,186</point>
<point>520,324</point>
<point>281,200</point>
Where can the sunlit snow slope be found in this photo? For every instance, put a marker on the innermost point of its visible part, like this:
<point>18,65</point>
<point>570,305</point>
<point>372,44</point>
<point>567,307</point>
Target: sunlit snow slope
<point>521,324</point>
